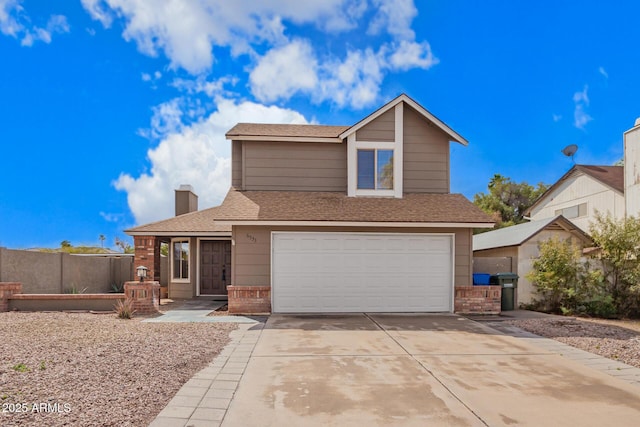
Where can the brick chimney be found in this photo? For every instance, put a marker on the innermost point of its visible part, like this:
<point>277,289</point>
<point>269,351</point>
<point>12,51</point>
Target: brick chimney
<point>632,170</point>
<point>186,200</point>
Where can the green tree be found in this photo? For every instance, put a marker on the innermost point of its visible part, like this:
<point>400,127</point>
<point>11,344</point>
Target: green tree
<point>125,246</point>
<point>618,242</point>
<point>507,201</point>
<point>102,239</point>
<point>65,244</point>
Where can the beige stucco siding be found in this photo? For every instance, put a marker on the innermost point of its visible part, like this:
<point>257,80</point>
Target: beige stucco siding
<point>380,129</point>
<point>426,156</point>
<point>577,190</point>
<point>291,166</point>
<point>530,250</point>
<point>251,251</point>
<point>236,164</point>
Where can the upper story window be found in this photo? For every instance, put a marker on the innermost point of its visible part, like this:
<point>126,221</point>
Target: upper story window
<point>573,211</point>
<point>375,169</point>
<point>180,258</point>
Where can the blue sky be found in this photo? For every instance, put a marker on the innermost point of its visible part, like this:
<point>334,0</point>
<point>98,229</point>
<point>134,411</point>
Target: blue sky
<point>107,106</point>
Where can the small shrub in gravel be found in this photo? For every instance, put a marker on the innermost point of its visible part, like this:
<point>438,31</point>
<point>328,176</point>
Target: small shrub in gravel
<point>80,369</point>
<point>124,309</point>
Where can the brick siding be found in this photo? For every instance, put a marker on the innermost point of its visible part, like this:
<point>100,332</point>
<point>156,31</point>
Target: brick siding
<point>477,299</point>
<point>249,299</point>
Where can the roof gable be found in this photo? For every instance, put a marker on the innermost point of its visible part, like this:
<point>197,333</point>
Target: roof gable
<point>610,176</point>
<point>518,234</point>
<point>413,104</point>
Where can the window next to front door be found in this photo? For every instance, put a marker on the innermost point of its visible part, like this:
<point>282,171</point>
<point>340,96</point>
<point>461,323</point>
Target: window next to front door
<point>180,257</point>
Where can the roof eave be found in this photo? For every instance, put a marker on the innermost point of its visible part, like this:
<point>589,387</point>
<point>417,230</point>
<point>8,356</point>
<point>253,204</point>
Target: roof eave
<point>237,137</point>
<point>180,233</point>
<point>357,223</point>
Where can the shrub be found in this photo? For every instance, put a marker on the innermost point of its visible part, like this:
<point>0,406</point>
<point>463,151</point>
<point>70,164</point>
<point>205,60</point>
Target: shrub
<point>124,309</point>
<point>618,242</point>
<point>556,275</point>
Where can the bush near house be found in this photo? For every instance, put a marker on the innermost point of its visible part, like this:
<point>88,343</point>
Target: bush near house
<point>606,285</point>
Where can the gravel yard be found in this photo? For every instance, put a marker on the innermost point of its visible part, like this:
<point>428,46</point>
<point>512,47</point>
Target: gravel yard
<point>97,370</point>
<point>615,339</point>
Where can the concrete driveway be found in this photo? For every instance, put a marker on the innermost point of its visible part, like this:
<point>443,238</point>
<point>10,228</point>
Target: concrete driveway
<point>417,370</point>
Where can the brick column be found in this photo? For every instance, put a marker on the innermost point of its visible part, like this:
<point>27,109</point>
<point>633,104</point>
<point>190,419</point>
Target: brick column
<point>7,289</point>
<point>477,299</point>
<point>145,296</point>
<point>249,299</point>
<point>147,253</point>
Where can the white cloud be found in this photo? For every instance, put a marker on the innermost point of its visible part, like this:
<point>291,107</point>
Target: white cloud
<point>353,81</point>
<point>556,117</point>
<point>284,71</point>
<point>581,101</point>
<point>198,155</point>
<point>14,22</point>
<point>603,72</point>
<point>187,31</point>
<point>407,55</point>
<point>166,119</point>
<point>146,77</point>
<point>394,16</point>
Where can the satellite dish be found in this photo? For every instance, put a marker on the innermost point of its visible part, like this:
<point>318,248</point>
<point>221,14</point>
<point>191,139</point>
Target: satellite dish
<point>570,150</point>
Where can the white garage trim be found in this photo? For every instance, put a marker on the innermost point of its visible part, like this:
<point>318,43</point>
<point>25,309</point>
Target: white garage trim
<point>303,278</point>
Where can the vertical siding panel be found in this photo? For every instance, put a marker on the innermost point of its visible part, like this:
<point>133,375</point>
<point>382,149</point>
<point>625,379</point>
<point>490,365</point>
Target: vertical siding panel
<point>236,164</point>
<point>426,156</point>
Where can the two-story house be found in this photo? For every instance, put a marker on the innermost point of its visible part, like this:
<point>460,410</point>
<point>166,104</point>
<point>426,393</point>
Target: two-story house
<point>580,193</point>
<point>329,219</point>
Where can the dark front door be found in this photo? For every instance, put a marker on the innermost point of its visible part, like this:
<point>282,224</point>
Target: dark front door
<point>215,267</point>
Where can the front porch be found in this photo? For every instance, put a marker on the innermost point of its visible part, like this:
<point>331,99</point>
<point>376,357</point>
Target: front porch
<point>187,266</point>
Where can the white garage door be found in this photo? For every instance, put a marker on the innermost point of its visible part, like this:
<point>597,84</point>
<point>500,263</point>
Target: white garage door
<point>360,272</point>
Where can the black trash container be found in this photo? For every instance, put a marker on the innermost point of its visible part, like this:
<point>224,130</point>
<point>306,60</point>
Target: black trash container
<point>509,283</point>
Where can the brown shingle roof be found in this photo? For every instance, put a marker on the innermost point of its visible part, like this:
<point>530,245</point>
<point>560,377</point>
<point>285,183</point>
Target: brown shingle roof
<point>194,222</point>
<point>281,130</point>
<point>329,206</point>
<point>613,176</point>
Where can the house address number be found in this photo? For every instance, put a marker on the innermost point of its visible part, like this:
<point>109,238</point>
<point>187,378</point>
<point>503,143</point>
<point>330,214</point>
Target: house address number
<point>252,238</point>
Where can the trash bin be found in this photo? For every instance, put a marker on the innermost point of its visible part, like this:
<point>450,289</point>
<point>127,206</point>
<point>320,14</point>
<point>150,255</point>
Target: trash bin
<point>509,284</point>
<point>481,279</point>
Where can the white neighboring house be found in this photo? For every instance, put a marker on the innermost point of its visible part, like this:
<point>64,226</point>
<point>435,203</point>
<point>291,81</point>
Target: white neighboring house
<point>580,193</point>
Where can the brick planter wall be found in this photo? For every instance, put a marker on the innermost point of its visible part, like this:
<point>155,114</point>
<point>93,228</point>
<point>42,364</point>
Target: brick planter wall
<point>477,299</point>
<point>7,289</point>
<point>249,299</point>
<point>145,296</point>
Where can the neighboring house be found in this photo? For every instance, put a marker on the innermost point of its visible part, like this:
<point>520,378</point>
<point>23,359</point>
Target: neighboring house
<point>330,219</point>
<point>580,193</point>
<point>513,249</point>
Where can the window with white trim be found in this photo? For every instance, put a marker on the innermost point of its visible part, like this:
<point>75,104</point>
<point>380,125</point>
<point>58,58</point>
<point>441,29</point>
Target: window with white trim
<point>180,266</point>
<point>375,169</point>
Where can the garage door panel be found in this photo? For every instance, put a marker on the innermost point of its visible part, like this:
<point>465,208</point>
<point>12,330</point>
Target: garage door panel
<point>351,272</point>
